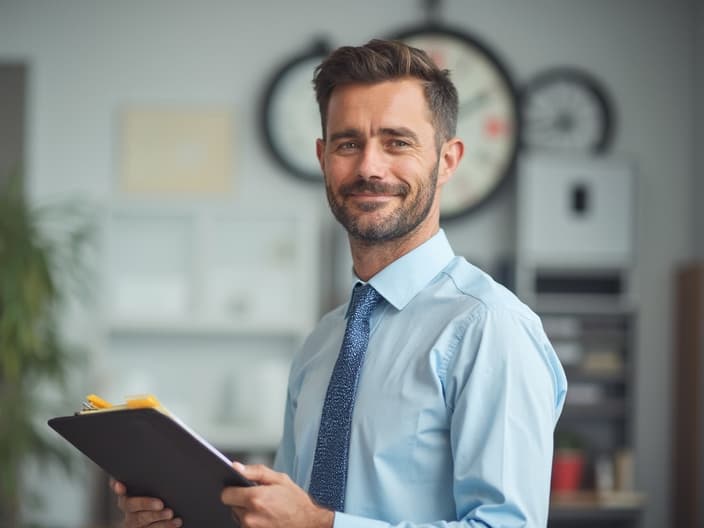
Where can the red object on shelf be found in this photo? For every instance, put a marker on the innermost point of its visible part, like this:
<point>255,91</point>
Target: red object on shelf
<point>567,470</point>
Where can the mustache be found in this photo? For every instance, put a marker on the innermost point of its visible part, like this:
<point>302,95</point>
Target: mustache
<point>374,187</point>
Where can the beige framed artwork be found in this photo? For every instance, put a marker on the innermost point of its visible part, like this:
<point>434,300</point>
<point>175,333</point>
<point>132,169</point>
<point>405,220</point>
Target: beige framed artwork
<point>176,150</point>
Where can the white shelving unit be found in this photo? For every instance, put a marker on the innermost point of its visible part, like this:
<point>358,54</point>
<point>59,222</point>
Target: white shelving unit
<point>203,306</point>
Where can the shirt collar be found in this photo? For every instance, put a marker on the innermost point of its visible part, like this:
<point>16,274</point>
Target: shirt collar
<point>401,280</point>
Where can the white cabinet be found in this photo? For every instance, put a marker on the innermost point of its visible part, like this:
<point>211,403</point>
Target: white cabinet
<point>206,269</point>
<point>576,212</point>
<point>203,306</point>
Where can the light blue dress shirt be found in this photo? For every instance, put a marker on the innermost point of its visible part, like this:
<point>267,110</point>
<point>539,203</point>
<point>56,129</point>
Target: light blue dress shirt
<point>457,401</point>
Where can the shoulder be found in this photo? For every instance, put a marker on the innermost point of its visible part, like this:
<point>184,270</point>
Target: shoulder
<point>496,326</point>
<point>481,294</point>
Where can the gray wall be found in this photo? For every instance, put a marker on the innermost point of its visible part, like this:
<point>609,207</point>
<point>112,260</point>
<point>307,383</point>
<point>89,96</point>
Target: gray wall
<point>12,118</point>
<point>89,58</point>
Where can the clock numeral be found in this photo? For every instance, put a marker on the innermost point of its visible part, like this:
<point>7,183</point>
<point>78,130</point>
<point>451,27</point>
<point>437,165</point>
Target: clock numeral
<point>496,127</point>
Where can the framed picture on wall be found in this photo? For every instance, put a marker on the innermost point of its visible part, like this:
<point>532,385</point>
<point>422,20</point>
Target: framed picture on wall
<point>176,150</point>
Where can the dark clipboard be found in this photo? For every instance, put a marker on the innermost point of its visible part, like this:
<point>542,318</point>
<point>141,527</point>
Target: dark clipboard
<point>155,456</point>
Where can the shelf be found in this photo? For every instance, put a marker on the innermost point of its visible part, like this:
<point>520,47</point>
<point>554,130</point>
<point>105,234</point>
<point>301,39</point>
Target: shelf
<point>592,336</point>
<point>607,409</point>
<point>201,329</point>
<point>594,506</point>
<point>583,305</point>
<point>577,374</point>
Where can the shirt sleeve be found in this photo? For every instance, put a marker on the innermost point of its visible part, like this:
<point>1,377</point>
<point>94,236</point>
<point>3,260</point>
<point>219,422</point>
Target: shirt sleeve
<point>505,389</point>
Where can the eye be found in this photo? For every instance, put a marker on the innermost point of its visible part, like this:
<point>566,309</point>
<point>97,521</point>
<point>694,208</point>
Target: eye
<point>348,146</point>
<point>398,143</point>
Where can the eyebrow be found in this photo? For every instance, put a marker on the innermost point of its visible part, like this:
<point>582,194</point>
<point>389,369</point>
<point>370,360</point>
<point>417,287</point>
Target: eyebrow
<point>345,134</point>
<point>351,133</point>
<point>400,132</point>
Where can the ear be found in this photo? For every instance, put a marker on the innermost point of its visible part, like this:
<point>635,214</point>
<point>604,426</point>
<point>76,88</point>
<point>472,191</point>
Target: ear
<point>450,157</point>
<point>320,152</point>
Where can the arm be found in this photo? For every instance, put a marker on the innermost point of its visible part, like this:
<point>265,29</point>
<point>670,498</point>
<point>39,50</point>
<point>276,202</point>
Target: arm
<point>506,399</point>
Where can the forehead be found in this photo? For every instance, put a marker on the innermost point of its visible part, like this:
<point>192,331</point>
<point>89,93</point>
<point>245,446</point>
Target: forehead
<point>368,106</point>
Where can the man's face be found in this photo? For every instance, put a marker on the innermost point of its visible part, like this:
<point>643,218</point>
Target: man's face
<point>380,159</point>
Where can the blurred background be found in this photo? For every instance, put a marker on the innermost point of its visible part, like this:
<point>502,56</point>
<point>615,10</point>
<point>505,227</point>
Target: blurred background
<point>173,140</point>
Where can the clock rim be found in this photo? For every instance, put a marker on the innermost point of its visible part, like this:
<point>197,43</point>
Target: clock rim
<point>495,59</point>
<point>319,49</point>
<point>593,85</point>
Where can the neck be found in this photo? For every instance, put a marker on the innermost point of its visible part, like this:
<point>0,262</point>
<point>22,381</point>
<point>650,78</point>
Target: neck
<point>369,258</point>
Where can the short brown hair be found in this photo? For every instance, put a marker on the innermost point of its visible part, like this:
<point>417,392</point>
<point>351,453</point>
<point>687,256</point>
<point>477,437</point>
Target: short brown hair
<point>387,60</point>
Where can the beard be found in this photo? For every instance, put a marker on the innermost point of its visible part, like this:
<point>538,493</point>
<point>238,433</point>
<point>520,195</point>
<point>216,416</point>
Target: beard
<point>398,223</point>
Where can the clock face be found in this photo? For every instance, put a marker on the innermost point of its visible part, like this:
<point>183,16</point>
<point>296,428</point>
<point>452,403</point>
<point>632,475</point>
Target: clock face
<point>488,120</point>
<point>291,121</point>
<point>568,110</point>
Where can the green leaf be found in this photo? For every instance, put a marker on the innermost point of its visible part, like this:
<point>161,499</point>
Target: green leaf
<point>41,252</point>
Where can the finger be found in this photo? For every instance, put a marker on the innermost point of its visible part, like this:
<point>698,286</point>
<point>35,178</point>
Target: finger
<point>139,504</point>
<point>235,497</point>
<point>135,504</point>
<point>153,519</point>
<point>259,473</point>
<point>135,521</point>
<point>118,487</point>
<point>237,513</point>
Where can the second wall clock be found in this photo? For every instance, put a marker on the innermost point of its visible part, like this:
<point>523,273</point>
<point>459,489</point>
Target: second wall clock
<point>567,109</point>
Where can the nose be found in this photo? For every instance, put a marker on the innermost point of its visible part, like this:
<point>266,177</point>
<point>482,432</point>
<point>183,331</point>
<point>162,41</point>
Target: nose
<point>372,161</point>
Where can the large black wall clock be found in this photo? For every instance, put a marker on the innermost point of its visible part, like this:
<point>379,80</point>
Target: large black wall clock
<point>289,114</point>
<point>489,114</point>
<point>567,109</point>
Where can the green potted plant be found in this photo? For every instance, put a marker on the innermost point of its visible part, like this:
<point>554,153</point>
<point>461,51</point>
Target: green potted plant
<point>568,462</point>
<point>33,352</point>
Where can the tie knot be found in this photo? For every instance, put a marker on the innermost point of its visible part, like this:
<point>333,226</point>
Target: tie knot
<point>364,300</point>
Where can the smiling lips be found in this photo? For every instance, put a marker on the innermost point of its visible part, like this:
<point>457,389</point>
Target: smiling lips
<point>372,189</point>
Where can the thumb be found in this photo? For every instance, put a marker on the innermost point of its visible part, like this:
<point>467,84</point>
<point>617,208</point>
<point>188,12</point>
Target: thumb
<point>118,487</point>
<point>258,473</point>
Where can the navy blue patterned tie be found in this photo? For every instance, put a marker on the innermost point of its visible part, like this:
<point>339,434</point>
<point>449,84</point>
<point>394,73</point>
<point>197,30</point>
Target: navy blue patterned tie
<point>329,475</point>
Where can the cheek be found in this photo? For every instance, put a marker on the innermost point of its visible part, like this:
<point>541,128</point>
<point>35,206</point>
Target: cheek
<point>412,172</point>
<point>338,169</point>
<point>413,169</point>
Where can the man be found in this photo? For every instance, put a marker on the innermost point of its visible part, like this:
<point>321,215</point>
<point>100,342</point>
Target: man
<point>454,388</point>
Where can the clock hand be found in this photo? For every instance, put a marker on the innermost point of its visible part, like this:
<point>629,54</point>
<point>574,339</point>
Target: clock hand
<point>471,105</point>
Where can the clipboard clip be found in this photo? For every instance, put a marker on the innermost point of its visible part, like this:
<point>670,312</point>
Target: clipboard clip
<point>94,402</point>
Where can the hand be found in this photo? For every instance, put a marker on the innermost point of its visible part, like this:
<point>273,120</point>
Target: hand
<point>142,512</point>
<point>276,503</point>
